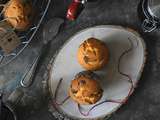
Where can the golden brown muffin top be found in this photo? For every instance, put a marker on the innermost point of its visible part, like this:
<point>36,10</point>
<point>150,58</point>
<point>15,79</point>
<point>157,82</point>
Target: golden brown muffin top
<point>86,89</point>
<point>93,54</point>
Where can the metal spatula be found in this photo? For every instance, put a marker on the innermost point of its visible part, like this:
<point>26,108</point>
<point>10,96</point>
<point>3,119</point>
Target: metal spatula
<point>50,30</point>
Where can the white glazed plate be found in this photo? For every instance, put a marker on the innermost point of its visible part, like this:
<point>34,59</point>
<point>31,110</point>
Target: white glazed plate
<point>66,66</point>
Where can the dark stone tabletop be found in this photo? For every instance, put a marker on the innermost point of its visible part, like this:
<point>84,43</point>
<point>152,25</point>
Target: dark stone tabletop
<point>144,104</point>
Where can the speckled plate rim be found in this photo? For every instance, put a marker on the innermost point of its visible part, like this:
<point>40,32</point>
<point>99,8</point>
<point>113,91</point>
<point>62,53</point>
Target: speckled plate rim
<point>98,26</point>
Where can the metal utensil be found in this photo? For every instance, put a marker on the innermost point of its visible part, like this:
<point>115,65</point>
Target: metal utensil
<point>50,30</point>
<point>27,78</point>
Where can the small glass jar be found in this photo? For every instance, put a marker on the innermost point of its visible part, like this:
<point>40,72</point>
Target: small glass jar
<point>151,10</point>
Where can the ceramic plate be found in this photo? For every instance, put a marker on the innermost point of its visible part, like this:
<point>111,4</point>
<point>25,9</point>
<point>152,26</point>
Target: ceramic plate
<point>115,85</point>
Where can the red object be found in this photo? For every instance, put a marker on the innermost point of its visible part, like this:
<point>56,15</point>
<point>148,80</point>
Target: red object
<point>73,9</point>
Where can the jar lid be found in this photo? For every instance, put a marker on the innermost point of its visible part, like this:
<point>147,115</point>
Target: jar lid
<point>154,8</point>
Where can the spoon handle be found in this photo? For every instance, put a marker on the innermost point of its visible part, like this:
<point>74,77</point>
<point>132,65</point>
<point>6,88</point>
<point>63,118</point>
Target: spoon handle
<point>27,79</point>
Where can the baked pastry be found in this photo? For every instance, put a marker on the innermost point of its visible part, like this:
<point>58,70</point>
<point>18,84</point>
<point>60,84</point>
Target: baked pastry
<point>93,54</point>
<point>18,13</point>
<point>85,88</point>
<point>9,40</point>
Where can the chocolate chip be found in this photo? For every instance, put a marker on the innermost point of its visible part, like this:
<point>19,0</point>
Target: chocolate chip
<point>92,95</point>
<point>74,91</point>
<point>85,59</point>
<point>88,101</point>
<point>82,82</point>
<point>101,91</point>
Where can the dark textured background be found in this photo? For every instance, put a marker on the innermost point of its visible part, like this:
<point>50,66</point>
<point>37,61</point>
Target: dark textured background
<point>144,104</point>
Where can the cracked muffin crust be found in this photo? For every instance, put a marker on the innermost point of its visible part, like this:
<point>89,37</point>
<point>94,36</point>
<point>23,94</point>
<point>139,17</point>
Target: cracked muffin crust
<point>85,89</point>
<point>93,54</point>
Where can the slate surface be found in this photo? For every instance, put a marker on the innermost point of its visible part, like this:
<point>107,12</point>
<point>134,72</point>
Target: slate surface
<point>144,104</point>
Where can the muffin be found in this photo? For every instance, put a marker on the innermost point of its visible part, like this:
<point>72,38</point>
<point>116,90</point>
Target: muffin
<point>18,13</point>
<point>85,89</point>
<point>93,54</point>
